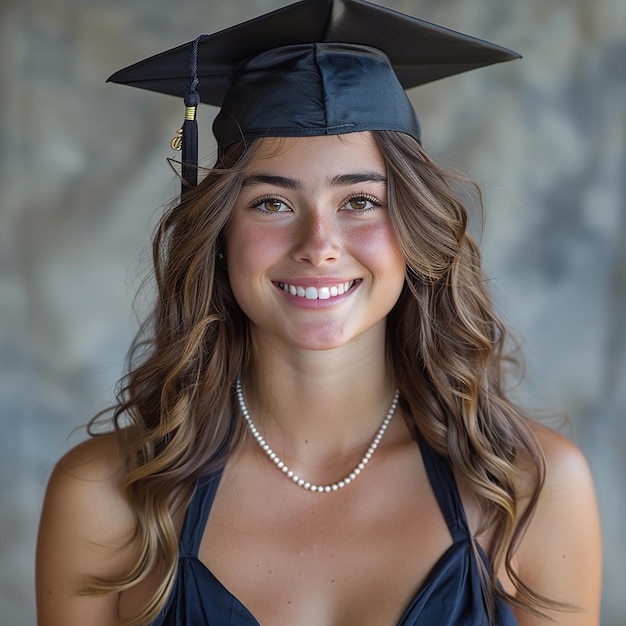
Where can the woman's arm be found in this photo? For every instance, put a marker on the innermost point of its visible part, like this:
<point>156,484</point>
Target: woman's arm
<point>560,555</point>
<point>85,519</point>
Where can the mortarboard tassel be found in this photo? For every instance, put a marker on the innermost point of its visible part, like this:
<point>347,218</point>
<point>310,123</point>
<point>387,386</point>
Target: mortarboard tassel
<point>190,143</point>
<point>187,137</point>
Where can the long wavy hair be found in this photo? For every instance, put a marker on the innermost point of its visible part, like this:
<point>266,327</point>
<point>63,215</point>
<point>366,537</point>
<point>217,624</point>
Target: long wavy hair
<point>175,413</point>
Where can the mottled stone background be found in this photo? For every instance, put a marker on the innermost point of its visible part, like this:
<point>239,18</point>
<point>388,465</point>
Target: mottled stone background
<point>83,178</point>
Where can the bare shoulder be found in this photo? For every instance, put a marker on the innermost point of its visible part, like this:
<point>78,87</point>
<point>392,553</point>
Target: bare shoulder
<point>89,479</point>
<point>568,482</point>
<point>560,554</point>
<point>565,463</point>
<point>96,458</point>
<point>85,528</point>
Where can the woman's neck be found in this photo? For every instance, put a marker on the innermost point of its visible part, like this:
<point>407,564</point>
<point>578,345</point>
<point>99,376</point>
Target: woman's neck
<point>320,402</point>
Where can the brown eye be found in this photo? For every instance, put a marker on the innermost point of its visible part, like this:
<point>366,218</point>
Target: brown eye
<point>361,204</point>
<point>358,204</point>
<point>272,205</point>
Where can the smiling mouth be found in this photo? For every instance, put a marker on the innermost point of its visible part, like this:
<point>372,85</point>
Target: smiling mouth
<point>318,293</point>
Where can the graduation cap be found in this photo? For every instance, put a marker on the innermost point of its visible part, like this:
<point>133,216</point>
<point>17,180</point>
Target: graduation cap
<point>316,67</point>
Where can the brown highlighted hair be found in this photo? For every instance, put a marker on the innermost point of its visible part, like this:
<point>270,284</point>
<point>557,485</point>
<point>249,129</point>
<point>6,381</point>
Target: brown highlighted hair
<point>175,413</point>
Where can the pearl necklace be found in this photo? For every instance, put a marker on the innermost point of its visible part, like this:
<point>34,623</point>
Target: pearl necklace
<point>294,477</point>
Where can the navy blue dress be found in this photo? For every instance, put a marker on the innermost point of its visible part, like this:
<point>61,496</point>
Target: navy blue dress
<point>450,596</point>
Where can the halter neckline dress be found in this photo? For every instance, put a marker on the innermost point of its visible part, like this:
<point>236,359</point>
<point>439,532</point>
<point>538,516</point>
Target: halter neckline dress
<point>450,596</point>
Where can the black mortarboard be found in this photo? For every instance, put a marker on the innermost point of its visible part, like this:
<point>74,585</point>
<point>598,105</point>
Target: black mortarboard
<point>315,67</point>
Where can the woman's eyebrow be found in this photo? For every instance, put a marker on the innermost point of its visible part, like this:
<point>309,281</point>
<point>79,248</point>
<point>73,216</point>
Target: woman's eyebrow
<point>344,180</point>
<point>341,180</point>
<point>272,179</point>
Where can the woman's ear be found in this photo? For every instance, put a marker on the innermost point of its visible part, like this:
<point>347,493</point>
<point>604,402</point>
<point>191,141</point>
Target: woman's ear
<point>221,258</point>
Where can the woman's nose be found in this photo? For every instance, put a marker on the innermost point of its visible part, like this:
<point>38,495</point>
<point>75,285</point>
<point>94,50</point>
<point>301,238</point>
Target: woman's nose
<point>317,239</point>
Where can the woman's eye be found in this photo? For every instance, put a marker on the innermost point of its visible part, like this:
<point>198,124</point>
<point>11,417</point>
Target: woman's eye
<point>270,205</point>
<point>361,203</point>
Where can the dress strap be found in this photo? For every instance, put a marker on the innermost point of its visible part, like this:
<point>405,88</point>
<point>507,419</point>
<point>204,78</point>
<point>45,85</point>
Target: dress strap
<point>198,513</point>
<point>444,487</point>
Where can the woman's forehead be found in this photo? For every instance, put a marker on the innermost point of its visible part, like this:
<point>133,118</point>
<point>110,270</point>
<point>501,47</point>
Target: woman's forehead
<point>326,150</point>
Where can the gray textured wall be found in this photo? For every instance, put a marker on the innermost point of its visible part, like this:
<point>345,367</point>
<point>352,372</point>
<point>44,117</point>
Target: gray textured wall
<point>83,176</point>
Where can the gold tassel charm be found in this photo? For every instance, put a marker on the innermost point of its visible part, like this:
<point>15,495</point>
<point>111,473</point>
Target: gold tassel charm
<point>177,142</point>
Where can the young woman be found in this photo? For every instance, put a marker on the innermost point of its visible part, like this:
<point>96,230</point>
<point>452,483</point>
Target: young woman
<point>315,429</point>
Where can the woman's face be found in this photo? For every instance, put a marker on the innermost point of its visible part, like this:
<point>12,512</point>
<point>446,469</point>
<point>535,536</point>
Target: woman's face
<point>312,257</point>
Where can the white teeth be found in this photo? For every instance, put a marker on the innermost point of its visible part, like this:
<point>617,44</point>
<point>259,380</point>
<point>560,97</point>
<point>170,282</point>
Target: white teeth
<point>313,293</point>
